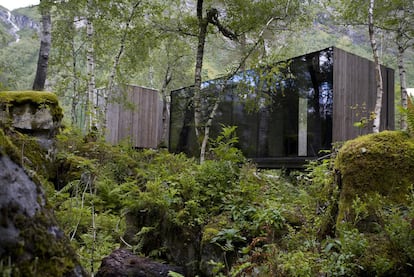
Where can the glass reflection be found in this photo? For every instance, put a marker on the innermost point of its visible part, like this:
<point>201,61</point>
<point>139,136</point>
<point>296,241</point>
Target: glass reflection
<point>284,110</point>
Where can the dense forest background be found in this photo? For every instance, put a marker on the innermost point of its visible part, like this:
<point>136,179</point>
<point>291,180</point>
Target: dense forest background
<point>157,50</point>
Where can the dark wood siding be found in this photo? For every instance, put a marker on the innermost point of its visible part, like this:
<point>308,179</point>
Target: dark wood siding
<point>137,118</point>
<point>354,95</point>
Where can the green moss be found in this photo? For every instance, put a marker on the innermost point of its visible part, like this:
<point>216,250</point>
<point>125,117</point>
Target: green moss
<point>8,148</point>
<point>34,97</point>
<point>214,226</point>
<point>26,152</point>
<point>45,253</point>
<point>375,164</point>
<point>208,234</point>
<point>40,252</point>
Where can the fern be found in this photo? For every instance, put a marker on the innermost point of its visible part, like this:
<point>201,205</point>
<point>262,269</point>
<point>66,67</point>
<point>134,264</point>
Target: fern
<point>410,118</point>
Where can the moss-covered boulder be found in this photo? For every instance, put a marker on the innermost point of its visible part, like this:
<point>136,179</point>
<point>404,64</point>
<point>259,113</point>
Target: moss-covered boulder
<point>31,112</point>
<point>373,167</point>
<point>31,242</point>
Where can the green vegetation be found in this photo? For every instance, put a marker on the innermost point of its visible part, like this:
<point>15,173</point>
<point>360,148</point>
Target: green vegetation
<point>43,249</point>
<point>232,217</point>
<point>241,219</point>
<point>375,164</point>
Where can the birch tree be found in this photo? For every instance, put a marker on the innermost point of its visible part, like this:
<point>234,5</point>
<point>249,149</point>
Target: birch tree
<point>204,18</point>
<point>378,75</point>
<point>365,13</point>
<point>90,67</point>
<point>398,18</point>
<point>100,44</point>
<point>394,16</point>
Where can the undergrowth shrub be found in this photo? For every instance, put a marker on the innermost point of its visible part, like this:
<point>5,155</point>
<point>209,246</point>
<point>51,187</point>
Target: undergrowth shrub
<point>259,222</point>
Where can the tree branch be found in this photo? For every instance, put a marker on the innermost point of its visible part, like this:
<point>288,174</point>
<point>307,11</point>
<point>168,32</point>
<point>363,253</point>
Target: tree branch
<point>212,18</point>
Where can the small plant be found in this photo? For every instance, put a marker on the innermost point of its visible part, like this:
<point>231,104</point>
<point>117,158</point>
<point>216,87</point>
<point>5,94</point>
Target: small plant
<point>224,146</point>
<point>361,112</point>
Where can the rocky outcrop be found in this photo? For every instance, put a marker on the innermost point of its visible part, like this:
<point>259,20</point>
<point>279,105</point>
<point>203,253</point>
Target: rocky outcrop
<point>31,112</point>
<point>14,22</point>
<point>20,20</point>
<point>122,263</point>
<point>24,22</point>
<point>31,242</point>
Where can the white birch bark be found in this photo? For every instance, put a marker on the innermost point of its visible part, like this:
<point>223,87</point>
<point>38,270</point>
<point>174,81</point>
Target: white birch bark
<point>378,75</point>
<point>403,86</point>
<point>90,68</point>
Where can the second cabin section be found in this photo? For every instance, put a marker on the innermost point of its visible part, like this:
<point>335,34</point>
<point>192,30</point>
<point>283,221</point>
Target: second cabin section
<point>289,112</point>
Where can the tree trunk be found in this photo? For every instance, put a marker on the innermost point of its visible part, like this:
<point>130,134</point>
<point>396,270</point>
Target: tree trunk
<point>378,75</point>
<point>203,147</point>
<point>403,81</point>
<point>90,68</point>
<point>202,33</point>
<point>75,79</point>
<point>45,44</point>
<point>207,128</point>
<point>165,107</point>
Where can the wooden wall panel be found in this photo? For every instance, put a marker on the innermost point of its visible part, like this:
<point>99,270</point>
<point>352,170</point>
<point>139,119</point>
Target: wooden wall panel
<point>354,95</point>
<point>137,120</point>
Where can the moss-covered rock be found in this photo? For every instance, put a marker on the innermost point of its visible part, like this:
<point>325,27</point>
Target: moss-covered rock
<point>31,242</point>
<point>372,166</point>
<point>31,112</point>
<point>36,98</point>
<point>211,252</point>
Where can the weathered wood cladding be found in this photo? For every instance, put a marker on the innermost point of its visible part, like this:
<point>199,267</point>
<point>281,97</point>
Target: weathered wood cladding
<point>136,115</point>
<point>354,95</point>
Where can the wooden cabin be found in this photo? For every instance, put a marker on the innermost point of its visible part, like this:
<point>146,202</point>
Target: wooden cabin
<point>289,112</point>
<point>135,114</point>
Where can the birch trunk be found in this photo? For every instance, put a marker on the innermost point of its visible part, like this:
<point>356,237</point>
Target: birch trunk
<point>45,44</point>
<point>207,128</point>
<point>212,114</point>
<point>378,75</point>
<point>165,106</point>
<point>90,68</point>
<point>75,95</point>
<point>403,80</point>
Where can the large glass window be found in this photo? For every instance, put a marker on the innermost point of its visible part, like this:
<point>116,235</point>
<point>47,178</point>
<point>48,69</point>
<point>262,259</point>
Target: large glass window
<point>283,110</point>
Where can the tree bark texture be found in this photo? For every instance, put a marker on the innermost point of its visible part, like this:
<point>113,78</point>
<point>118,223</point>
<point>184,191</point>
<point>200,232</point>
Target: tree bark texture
<point>165,106</point>
<point>202,33</point>
<point>403,41</point>
<point>403,87</point>
<point>45,45</point>
<point>378,75</point>
<point>90,68</point>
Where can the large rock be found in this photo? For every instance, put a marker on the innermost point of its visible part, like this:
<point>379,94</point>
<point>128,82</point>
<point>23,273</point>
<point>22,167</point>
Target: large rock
<point>31,112</point>
<point>31,242</point>
<point>122,263</point>
<point>372,166</point>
